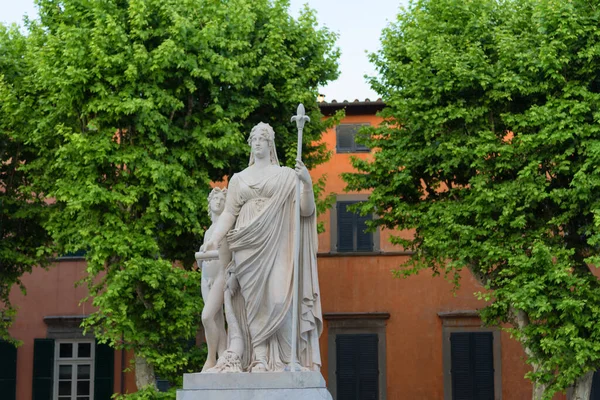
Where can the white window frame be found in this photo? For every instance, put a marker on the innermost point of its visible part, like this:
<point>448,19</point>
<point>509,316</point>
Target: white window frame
<point>73,361</point>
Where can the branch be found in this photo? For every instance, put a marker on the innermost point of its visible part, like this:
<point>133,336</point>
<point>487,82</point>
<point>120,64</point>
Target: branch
<point>140,293</point>
<point>190,108</point>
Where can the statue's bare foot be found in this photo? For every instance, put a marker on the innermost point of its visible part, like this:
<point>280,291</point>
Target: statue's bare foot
<point>208,365</point>
<point>259,366</point>
<point>298,367</point>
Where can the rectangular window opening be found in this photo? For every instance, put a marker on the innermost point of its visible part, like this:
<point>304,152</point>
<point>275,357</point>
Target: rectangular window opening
<point>595,394</point>
<point>472,365</point>
<point>74,366</point>
<point>352,235</point>
<point>346,135</point>
<point>357,366</point>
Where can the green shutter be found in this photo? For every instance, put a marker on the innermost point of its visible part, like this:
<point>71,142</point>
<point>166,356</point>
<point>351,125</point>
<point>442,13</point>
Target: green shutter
<point>483,347</point>
<point>346,370</point>
<point>351,229</point>
<point>595,395</point>
<point>357,367</point>
<point>43,369</point>
<point>104,372</point>
<point>368,367</point>
<point>472,369</point>
<point>346,224</point>
<point>364,239</point>
<point>8,370</point>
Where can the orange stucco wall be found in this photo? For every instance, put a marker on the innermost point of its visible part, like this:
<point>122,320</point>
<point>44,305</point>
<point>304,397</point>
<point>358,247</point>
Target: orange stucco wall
<point>358,284</point>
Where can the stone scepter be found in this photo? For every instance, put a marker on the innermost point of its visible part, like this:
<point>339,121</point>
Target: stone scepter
<point>300,118</point>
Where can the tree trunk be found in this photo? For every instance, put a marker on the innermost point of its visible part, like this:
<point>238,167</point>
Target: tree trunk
<point>538,390</point>
<point>522,320</point>
<point>583,387</point>
<point>144,373</point>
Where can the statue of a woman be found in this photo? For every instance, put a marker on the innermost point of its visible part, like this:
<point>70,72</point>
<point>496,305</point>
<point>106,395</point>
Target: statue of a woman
<point>259,224</point>
<point>213,285</point>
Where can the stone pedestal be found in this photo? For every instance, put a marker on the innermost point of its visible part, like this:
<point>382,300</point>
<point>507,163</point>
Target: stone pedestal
<point>257,386</point>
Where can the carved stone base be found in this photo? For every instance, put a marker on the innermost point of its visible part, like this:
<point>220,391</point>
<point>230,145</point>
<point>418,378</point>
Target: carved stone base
<point>257,386</point>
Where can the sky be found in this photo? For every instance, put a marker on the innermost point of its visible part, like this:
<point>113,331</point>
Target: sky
<point>357,22</point>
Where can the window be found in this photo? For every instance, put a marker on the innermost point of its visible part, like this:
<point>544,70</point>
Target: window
<point>74,370</point>
<point>162,385</point>
<point>346,139</point>
<point>356,354</point>
<point>471,358</point>
<point>472,365</point>
<point>351,229</point>
<point>348,229</point>
<point>595,395</point>
<point>357,366</point>
<point>75,255</point>
<point>8,370</point>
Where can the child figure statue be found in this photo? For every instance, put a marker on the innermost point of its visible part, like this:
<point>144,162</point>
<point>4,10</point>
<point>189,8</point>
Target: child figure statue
<point>213,285</point>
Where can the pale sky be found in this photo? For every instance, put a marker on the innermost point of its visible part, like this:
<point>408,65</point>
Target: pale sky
<point>358,23</point>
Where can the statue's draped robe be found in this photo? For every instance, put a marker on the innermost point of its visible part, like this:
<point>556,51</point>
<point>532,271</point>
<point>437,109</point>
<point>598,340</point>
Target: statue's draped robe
<point>262,243</point>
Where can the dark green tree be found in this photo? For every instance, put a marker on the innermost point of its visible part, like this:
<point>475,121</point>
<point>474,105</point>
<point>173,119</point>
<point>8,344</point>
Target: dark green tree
<point>490,152</point>
<point>23,241</point>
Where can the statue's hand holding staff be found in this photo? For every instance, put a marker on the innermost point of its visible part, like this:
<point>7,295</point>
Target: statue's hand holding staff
<point>302,173</point>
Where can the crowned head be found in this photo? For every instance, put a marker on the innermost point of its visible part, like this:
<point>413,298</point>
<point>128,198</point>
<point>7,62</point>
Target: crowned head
<point>262,143</point>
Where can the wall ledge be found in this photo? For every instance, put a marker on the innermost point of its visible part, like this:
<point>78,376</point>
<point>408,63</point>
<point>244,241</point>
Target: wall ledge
<point>459,314</point>
<point>366,254</point>
<point>355,315</point>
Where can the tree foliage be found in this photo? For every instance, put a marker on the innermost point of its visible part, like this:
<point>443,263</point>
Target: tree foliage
<point>490,151</point>
<point>23,241</point>
<point>140,105</point>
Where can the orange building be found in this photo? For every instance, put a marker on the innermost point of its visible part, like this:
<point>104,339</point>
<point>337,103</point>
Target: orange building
<point>413,320</point>
<point>56,357</point>
<point>384,338</point>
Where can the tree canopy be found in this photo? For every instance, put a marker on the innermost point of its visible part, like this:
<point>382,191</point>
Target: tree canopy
<point>23,241</point>
<point>490,151</point>
<point>139,106</point>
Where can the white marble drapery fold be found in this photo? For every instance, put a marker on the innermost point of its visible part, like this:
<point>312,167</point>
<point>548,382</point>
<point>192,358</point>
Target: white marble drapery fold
<point>262,245</point>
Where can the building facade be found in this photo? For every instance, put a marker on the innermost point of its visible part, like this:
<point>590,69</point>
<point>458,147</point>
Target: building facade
<point>420,327</point>
<point>384,337</point>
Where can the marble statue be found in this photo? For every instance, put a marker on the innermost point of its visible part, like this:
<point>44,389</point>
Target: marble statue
<point>257,230</point>
<point>213,285</point>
